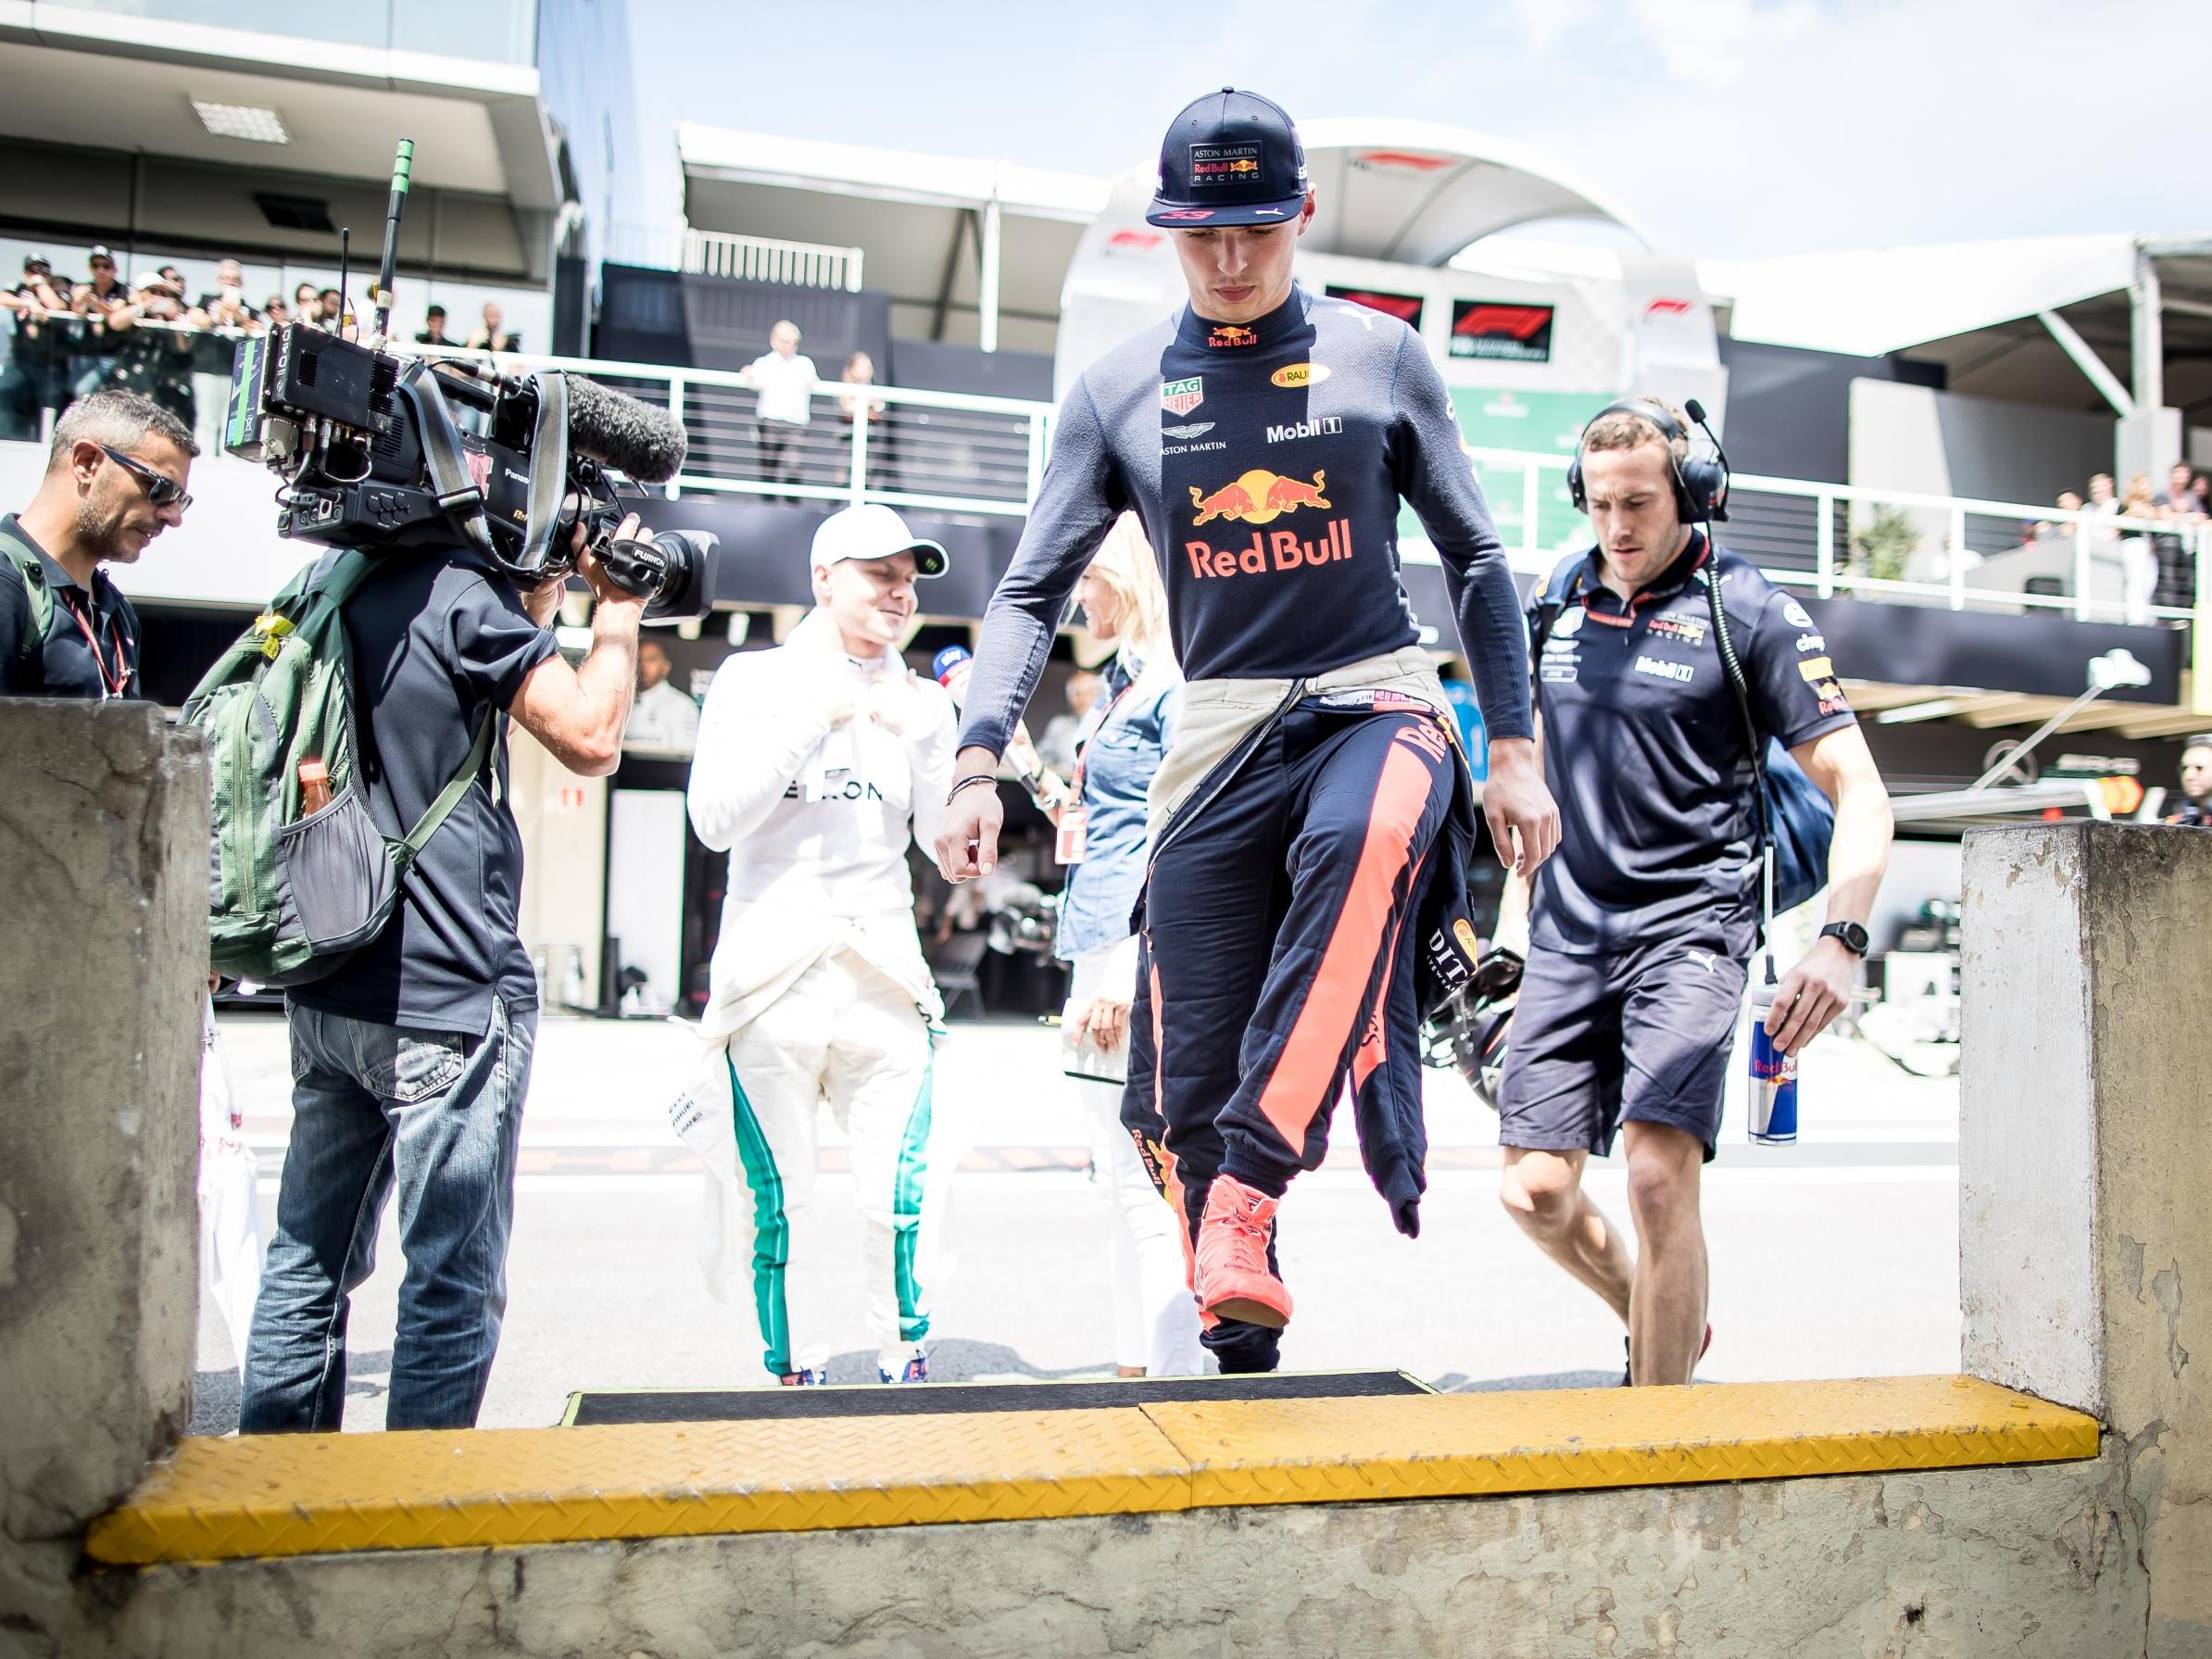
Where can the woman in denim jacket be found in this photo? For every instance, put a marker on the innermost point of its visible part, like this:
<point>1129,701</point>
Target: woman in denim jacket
<point>1100,818</point>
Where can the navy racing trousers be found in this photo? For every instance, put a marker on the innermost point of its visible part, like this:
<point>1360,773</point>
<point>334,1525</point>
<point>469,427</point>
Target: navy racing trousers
<point>1278,962</point>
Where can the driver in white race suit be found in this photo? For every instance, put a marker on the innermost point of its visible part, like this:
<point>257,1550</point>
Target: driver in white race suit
<point>817,761</point>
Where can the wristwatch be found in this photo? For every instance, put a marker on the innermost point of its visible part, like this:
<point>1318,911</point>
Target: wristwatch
<point>1854,936</point>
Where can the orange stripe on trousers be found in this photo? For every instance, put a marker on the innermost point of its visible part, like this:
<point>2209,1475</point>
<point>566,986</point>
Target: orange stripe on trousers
<point>1171,1178</point>
<point>1306,1069</point>
<point>1375,1048</point>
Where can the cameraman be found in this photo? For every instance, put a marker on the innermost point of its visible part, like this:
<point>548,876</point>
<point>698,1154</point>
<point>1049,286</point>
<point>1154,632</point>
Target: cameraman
<point>410,1062</point>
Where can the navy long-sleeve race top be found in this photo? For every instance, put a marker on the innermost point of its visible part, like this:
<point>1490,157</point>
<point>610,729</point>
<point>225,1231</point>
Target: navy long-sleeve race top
<point>1266,461</point>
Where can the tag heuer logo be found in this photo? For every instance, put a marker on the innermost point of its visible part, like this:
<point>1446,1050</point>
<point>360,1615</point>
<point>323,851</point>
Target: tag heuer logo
<point>1180,396</point>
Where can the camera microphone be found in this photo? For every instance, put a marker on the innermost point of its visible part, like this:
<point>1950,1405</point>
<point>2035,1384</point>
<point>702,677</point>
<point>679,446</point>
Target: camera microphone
<point>950,666</point>
<point>636,439</point>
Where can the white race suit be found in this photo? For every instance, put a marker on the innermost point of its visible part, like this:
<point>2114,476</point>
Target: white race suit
<point>819,990</point>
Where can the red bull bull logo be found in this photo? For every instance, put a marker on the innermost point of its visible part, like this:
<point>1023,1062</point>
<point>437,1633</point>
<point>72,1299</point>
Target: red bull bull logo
<point>1258,497</point>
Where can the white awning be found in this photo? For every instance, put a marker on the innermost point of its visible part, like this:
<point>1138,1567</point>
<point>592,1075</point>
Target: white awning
<point>1415,193</point>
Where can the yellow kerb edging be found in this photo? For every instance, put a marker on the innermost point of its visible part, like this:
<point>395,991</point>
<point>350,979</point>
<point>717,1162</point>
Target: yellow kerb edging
<point>304,1494</point>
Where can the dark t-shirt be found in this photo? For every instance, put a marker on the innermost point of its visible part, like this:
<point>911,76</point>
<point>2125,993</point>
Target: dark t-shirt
<point>1645,750</point>
<point>91,648</point>
<point>439,642</point>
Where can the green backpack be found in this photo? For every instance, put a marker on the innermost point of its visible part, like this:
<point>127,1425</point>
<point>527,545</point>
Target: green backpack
<point>292,897</point>
<point>31,649</point>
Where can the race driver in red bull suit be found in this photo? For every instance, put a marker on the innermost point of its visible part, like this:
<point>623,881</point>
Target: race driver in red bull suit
<point>1310,826</point>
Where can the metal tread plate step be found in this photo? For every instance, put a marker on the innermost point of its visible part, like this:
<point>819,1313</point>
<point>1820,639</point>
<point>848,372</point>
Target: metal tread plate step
<point>591,1407</point>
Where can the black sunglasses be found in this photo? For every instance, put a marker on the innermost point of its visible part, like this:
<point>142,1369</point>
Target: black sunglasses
<point>161,490</point>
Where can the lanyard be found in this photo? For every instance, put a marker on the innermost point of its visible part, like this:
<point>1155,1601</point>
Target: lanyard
<point>1083,760</point>
<point>110,685</point>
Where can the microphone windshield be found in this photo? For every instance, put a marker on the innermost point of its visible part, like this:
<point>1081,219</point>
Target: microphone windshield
<point>947,661</point>
<point>1696,410</point>
<point>634,438</point>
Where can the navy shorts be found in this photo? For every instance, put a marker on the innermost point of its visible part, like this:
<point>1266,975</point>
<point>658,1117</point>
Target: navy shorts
<point>1636,1036</point>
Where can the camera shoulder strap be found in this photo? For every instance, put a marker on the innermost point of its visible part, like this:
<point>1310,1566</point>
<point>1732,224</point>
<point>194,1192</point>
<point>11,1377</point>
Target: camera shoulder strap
<point>31,648</point>
<point>449,475</point>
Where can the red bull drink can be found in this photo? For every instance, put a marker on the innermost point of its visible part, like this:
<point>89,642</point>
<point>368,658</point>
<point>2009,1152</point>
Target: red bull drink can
<point>1773,1075</point>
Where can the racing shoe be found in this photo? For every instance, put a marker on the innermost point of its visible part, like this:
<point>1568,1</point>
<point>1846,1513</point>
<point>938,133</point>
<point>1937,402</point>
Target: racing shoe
<point>915,1370</point>
<point>1629,1370</point>
<point>1234,1280</point>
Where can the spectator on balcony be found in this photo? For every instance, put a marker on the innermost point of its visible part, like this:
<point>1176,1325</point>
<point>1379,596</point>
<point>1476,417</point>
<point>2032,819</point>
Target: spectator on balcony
<point>2181,505</point>
<point>859,370</point>
<point>2138,558</point>
<point>306,304</point>
<point>96,301</point>
<point>275,312</point>
<point>433,332</point>
<point>490,335</point>
<point>785,383</point>
<point>37,377</point>
<point>226,304</point>
<point>156,362</point>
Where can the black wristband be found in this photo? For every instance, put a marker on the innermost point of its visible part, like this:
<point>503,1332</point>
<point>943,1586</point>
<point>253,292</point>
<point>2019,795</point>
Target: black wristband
<point>974,777</point>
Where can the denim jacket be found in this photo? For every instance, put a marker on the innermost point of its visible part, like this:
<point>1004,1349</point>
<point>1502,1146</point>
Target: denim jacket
<point>1121,744</point>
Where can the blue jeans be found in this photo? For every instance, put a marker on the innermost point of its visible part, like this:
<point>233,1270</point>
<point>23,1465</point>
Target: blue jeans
<point>437,1116</point>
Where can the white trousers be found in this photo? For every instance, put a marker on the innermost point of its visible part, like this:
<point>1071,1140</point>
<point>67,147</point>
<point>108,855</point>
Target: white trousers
<point>1155,1320</point>
<point>846,1034</point>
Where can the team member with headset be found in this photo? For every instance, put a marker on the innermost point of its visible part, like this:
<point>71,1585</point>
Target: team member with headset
<point>1641,930</point>
<point>813,759</point>
<point>1310,824</point>
<point>1099,817</point>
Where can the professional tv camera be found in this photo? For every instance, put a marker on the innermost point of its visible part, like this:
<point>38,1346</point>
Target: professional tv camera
<point>382,451</point>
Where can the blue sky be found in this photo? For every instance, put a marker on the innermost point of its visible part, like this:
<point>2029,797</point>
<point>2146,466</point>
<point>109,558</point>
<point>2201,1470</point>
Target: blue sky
<point>1729,128</point>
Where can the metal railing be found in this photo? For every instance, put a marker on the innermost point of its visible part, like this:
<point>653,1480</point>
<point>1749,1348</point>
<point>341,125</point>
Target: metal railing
<point>961,455</point>
<point>1905,548</point>
<point>955,454</point>
<point>765,259</point>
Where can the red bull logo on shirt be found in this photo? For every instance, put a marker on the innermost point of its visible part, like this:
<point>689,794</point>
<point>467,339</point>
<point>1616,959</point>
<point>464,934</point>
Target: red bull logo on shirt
<point>1258,497</point>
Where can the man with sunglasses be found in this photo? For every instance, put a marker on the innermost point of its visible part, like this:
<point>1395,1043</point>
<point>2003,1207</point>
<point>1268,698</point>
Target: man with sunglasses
<point>115,480</point>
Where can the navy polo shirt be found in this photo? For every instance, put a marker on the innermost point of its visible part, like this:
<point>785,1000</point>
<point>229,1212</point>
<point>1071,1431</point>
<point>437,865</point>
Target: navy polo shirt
<point>91,646</point>
<point>1645,750</point>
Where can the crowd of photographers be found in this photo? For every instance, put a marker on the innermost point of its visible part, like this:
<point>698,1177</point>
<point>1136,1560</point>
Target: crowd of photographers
<point>144,332</point>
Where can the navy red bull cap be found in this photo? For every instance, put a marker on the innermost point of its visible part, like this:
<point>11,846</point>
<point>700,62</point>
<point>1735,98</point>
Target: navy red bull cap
<point>1230,158</point>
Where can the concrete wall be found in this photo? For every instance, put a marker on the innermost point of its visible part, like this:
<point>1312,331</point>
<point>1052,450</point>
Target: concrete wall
<point>102,968</point>
<point>2085,1271</point>
<point>2034,1561</point>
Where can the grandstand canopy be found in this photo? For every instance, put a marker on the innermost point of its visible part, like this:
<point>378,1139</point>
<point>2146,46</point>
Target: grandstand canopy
<point>113,80</point>
<point>1417,192</point>
<point>930,226</point>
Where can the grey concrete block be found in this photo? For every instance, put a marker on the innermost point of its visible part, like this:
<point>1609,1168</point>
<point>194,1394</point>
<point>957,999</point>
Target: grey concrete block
<point>103,964</point>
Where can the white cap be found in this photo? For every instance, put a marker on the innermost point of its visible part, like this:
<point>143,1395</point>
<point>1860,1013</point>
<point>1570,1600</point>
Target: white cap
<point>875,532</point>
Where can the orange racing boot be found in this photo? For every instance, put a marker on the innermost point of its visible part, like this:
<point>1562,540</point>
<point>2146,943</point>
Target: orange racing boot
<point>1234,1280</point>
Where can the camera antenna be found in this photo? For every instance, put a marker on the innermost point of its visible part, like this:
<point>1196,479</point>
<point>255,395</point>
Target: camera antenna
<point>344,269</point>
<point>403,165</point>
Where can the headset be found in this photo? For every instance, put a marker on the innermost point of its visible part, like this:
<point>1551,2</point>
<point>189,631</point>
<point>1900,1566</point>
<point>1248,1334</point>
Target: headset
<point>1701,485</point>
